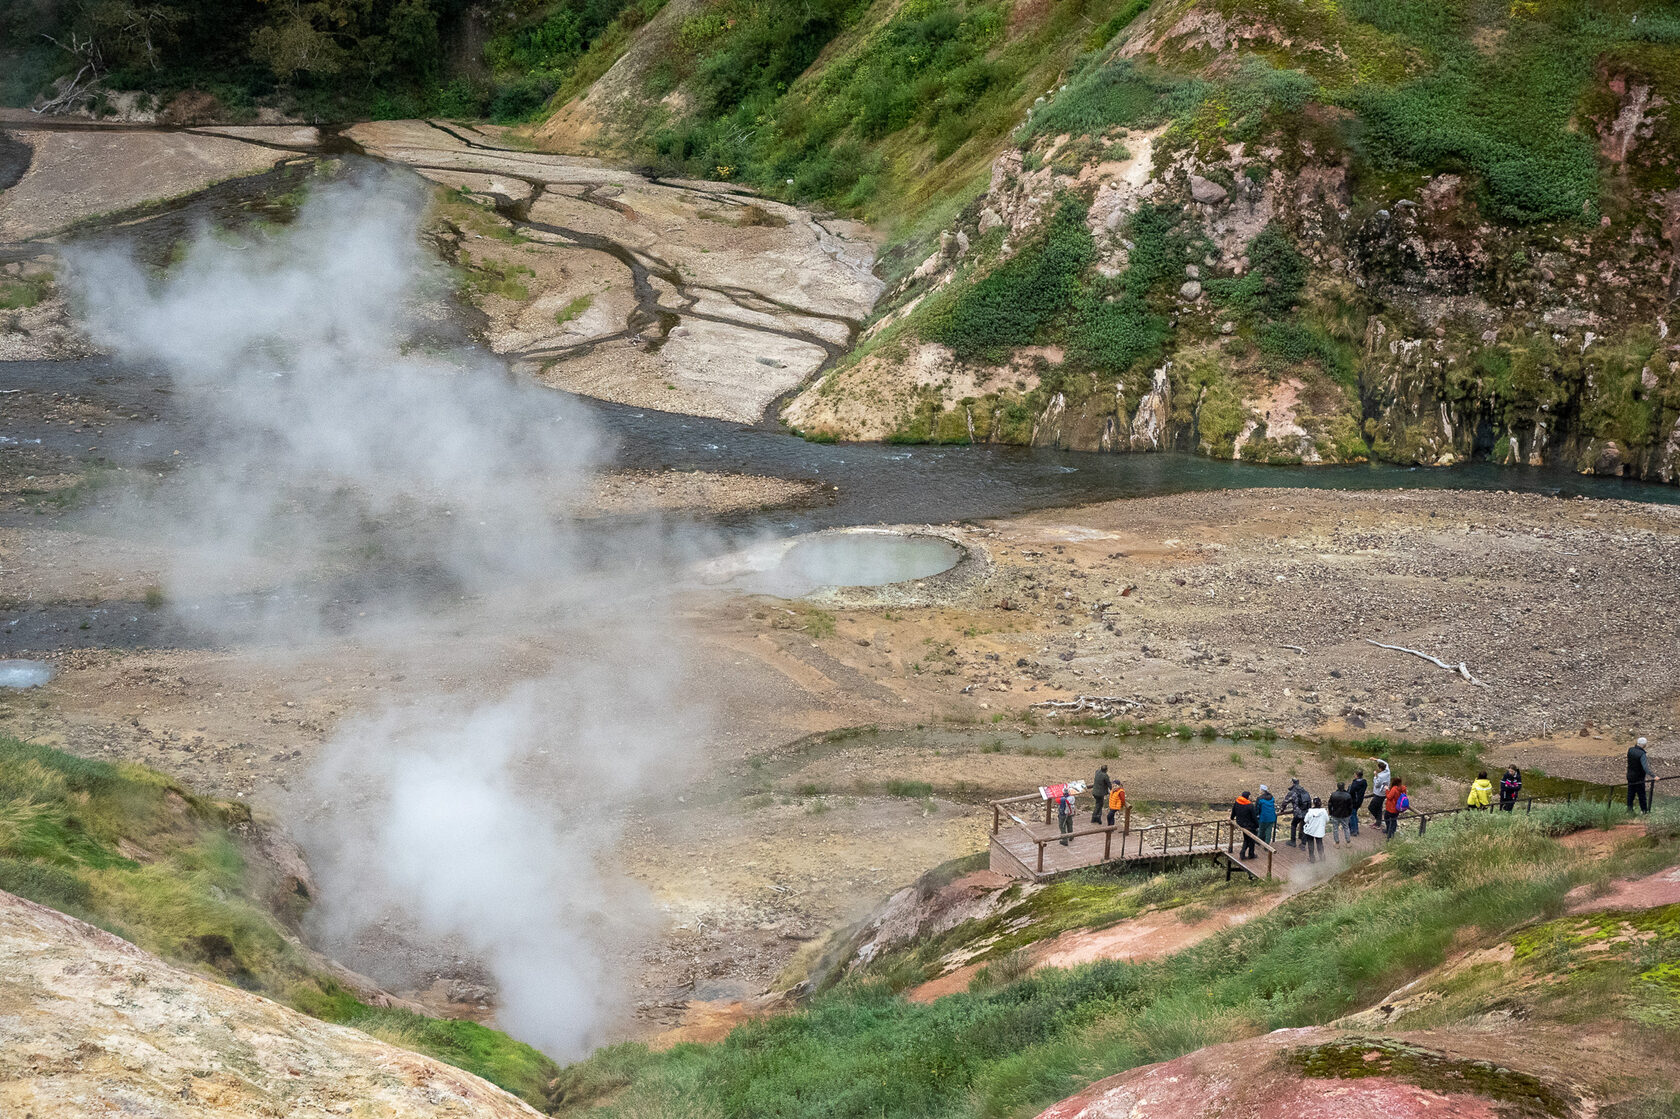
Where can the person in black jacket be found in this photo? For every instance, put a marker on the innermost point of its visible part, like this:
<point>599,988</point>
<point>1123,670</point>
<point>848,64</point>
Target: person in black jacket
<point>1639,774</point>
<point>1356,791</point>
<point>1341,810</point>
<point>1298,801</point>
<point>1246,815</point>
<point>1100,786</point>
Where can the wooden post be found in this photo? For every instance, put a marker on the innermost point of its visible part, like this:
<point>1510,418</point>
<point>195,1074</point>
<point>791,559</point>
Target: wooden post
<point>1047,811</point>
<point>997,815</point>
<point>1191,846</point>
<point>1268,865</point>
<point>1108,842</point>
<point>1041,856</point>
<point>1128,830</point>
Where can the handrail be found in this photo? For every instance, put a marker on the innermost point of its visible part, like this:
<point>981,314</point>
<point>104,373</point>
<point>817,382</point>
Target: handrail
<point>1225,830</point>
<point>1610,792</point>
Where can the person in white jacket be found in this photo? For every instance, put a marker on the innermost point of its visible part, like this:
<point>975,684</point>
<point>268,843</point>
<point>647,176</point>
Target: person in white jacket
<point>1313,828</point>
<point>1380,781</point>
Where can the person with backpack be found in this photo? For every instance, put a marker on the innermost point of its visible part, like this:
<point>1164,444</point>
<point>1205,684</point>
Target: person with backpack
<point>1341,810</point>
<point>1268,814</point>
<point>1639,775</point>
<point>1116,802</point>
<point>1299,802</point>
<point>1100,786</point>
<point>1356,792</point>
<point>1246,816</point>
<point>1312,830</point>
<point>1481,793</point>
<point>1380,782</point>
<point>1510,788</point>
<point>1065,812</point>
<point>1395,803</point>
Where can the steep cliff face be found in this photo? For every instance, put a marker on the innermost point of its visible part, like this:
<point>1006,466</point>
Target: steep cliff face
<point>1312,234</point>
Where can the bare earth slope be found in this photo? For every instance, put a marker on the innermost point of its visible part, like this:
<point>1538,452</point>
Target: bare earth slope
<point>687,297</point>
<point>90,1024</point>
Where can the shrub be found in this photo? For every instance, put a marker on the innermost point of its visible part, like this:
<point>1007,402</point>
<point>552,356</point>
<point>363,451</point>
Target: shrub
<point>1110,96</point>
<point>1015,302</point>
<point>1277,272</point>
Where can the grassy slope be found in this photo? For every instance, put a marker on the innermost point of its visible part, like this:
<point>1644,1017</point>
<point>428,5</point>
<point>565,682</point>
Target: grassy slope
<point>889,109</point>
<point>901,111</point>
<point>133,852</point>
<point>1011,1050</point>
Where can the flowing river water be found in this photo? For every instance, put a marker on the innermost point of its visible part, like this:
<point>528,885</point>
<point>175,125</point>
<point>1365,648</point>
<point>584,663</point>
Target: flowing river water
<point>860,484</point>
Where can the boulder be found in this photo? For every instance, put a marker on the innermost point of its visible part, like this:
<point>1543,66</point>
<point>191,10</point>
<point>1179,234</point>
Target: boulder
<point>1206,190</point>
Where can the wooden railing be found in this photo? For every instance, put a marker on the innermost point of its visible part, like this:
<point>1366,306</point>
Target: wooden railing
<point>1165,840</point>
<point>1611,794</point>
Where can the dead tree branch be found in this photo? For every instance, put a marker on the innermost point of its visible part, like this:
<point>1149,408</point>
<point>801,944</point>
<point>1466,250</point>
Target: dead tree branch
<point>1460,668</point>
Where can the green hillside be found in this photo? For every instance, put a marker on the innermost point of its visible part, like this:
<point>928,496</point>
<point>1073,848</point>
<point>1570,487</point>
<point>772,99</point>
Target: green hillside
<point>1011,1048</point>
<point>190,879</point>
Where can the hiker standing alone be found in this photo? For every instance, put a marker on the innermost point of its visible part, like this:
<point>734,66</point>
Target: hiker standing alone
<point>1246,816</point>
<point>1356,792</point>
<point>1639,775</point>
<point>1100,786</point>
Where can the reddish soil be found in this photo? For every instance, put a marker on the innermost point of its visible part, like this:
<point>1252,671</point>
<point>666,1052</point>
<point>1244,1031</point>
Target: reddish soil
<point>1600,841</point>
<point>1255,1080</point>
<point>1661,888</point>
<point>1148,937</point>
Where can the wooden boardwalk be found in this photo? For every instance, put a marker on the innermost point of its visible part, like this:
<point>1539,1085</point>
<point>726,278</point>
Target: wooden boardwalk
<point>1024,846</point>
<point>1033,850</point>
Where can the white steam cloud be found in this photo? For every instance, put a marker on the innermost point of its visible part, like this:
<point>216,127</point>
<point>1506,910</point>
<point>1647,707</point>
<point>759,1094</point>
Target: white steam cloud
<point>343,439</point>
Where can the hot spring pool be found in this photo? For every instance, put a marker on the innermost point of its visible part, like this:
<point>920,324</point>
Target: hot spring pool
<point>24,674</point>
<point>843,559</point>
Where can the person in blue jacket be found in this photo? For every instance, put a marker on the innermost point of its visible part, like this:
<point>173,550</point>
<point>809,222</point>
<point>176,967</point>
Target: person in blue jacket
<point>1268,815</point>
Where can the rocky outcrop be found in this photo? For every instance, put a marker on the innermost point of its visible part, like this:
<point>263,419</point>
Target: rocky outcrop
<point>90,1024</point>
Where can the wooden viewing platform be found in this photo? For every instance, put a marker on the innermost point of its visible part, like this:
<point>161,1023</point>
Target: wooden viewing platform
<point>1024,847</point>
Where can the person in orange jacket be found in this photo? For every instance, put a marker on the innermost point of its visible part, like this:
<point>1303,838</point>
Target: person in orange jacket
<point>1116,801</point>
<point>1395,803</point>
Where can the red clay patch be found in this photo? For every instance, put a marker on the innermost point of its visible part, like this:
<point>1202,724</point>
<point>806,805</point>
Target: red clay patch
<point>1252,1080</point>
<point>1661,888</point>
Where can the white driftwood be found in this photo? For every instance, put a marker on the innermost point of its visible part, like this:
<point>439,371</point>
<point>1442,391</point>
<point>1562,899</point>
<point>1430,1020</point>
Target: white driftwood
<point>1101,704</point>
<point>1460,668</point>
<point>1297,648</point>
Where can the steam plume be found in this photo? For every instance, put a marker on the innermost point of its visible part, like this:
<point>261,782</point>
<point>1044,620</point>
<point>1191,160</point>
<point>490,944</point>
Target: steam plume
<point>343,437</point>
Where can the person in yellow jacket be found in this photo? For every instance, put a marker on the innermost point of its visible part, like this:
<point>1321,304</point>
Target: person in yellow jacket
<point>1116,801</point>
<point>1481,792</point>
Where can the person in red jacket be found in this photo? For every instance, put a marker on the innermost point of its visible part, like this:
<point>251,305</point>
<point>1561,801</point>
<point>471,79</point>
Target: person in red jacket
<point>1395,803</point>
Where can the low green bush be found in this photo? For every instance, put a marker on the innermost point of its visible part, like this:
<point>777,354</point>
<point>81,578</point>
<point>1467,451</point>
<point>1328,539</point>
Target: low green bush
<point>1014,303</point>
